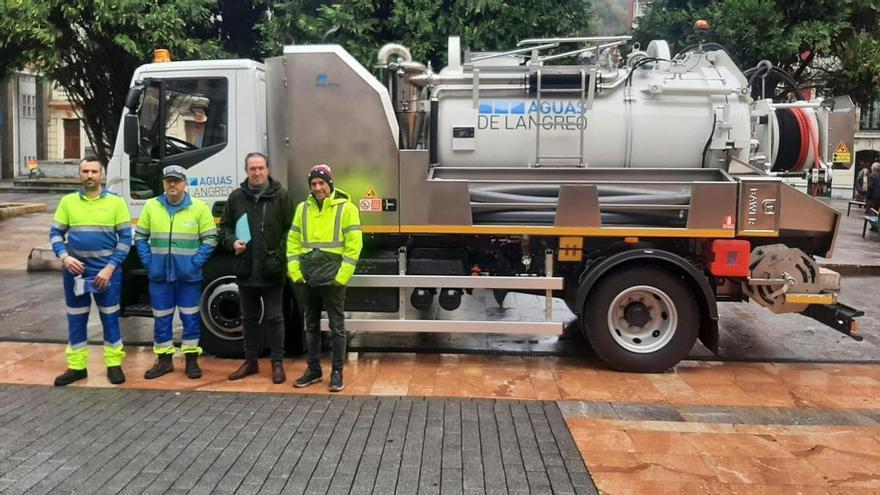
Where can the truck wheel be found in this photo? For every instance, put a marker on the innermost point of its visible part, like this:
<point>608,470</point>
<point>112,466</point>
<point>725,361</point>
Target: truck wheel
<point>222,329</point>
<point>641,320</point>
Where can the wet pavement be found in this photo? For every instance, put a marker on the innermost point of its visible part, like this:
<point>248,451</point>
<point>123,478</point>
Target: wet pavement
<point>703,427</point>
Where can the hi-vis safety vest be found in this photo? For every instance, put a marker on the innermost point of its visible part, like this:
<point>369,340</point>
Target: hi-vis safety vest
<point>98,230</point>
<point>333,228</point>
<point>173,245</point>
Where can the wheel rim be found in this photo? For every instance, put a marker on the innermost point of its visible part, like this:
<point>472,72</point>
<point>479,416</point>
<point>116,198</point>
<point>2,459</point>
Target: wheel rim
<point>642,319</point>
<point>220,308</point>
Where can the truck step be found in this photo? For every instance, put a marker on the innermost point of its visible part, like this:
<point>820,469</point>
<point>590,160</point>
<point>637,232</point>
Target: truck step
<point>460,326</point>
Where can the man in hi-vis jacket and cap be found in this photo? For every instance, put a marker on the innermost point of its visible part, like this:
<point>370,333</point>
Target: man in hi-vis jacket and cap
<point>323,248</point>
<point>175,236</point>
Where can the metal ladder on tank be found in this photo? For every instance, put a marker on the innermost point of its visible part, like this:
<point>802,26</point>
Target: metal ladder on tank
<point>586,97</point>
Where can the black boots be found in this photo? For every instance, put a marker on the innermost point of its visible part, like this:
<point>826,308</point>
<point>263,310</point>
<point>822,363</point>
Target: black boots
<point>115,375</point>
<point>163,366</point>
<point>70,376</point>
<point>192,366</point>
<point>246,369</point>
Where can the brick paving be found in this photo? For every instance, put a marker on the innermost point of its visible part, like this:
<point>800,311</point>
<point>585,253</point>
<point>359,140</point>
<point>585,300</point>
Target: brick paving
<point>136,441</point>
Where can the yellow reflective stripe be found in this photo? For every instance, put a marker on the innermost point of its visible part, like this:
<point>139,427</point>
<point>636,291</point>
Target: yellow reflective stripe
<point>350,261</point>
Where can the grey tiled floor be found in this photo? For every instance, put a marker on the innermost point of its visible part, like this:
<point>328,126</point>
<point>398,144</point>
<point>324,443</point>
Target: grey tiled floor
<point>130,441</point>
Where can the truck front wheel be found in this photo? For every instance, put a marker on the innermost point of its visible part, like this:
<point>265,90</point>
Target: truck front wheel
<point>222,329</point>
<point>641,319</point>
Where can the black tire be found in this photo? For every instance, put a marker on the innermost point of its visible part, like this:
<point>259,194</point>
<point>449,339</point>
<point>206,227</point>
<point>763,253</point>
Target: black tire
<point>221,336</point>
<point>663,339</point>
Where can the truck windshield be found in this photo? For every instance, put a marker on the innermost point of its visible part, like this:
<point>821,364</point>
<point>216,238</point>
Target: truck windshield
<point>182,122</point>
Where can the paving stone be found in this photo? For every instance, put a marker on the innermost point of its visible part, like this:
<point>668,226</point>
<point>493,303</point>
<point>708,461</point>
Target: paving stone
<point>646,412</point>
<point>709,414</point>
<point>131,441</point>
<point>581,409</point>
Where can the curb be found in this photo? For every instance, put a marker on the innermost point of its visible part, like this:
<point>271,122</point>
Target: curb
<point>852,270</point>
<point>9,210</point>
<point>38,190</point>
<point>43,259</point>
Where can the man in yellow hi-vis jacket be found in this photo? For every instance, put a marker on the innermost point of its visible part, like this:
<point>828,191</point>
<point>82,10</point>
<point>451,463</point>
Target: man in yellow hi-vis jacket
<point>323,248</point>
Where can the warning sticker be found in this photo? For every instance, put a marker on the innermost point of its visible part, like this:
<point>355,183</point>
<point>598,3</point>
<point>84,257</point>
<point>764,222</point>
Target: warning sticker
<point>371,193</point>
<point>370,204</point>
<point>728,223</point>
<point>841,154</point>
<point>377,204</point>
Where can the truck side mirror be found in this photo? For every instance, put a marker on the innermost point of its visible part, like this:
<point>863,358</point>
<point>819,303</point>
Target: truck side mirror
<point>133,97</point>
<point>130,137</point>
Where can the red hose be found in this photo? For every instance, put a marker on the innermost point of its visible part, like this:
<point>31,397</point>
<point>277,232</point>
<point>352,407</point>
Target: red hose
<point>805,139</point>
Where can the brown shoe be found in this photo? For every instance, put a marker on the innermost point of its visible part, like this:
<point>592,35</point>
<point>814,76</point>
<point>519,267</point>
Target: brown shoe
<point>278,375</point>
<point>247,368</point>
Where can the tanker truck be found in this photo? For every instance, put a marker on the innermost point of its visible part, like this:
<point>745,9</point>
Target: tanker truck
<point>641,190</point>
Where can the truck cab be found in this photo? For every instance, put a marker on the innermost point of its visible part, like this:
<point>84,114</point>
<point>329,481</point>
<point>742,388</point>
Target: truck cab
<point>202,115</point>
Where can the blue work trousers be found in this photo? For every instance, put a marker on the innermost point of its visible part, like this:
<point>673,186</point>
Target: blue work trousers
<point>166,296</point>
<point>78,319</point>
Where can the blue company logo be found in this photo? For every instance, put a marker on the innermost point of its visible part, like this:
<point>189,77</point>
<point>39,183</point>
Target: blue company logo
<point>323,81</point>
<point>551,107</point>
<point>221,180</point>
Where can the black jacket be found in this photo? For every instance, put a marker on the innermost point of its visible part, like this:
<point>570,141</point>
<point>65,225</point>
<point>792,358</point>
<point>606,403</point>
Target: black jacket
<point>874,186</point>
<point>264,263</point>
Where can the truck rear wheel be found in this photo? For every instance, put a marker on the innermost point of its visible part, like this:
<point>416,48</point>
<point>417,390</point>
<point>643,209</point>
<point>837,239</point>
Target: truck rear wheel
<point>641,319</point>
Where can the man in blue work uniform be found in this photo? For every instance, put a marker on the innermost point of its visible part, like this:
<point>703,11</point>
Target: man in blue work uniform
<point>97,226</point>
<point>175,236</point>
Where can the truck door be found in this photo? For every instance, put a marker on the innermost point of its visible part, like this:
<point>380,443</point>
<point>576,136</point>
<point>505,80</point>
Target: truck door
<point>183,121</point>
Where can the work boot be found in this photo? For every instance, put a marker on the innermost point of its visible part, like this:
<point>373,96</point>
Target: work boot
<point>308,378</point>
<point>70,376</point>
<point>192,366</point>
<point>336,381</point>
<point>163,366</point>
<point>115,375</point>
<point>278,375</point>
<point>246,369</point>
